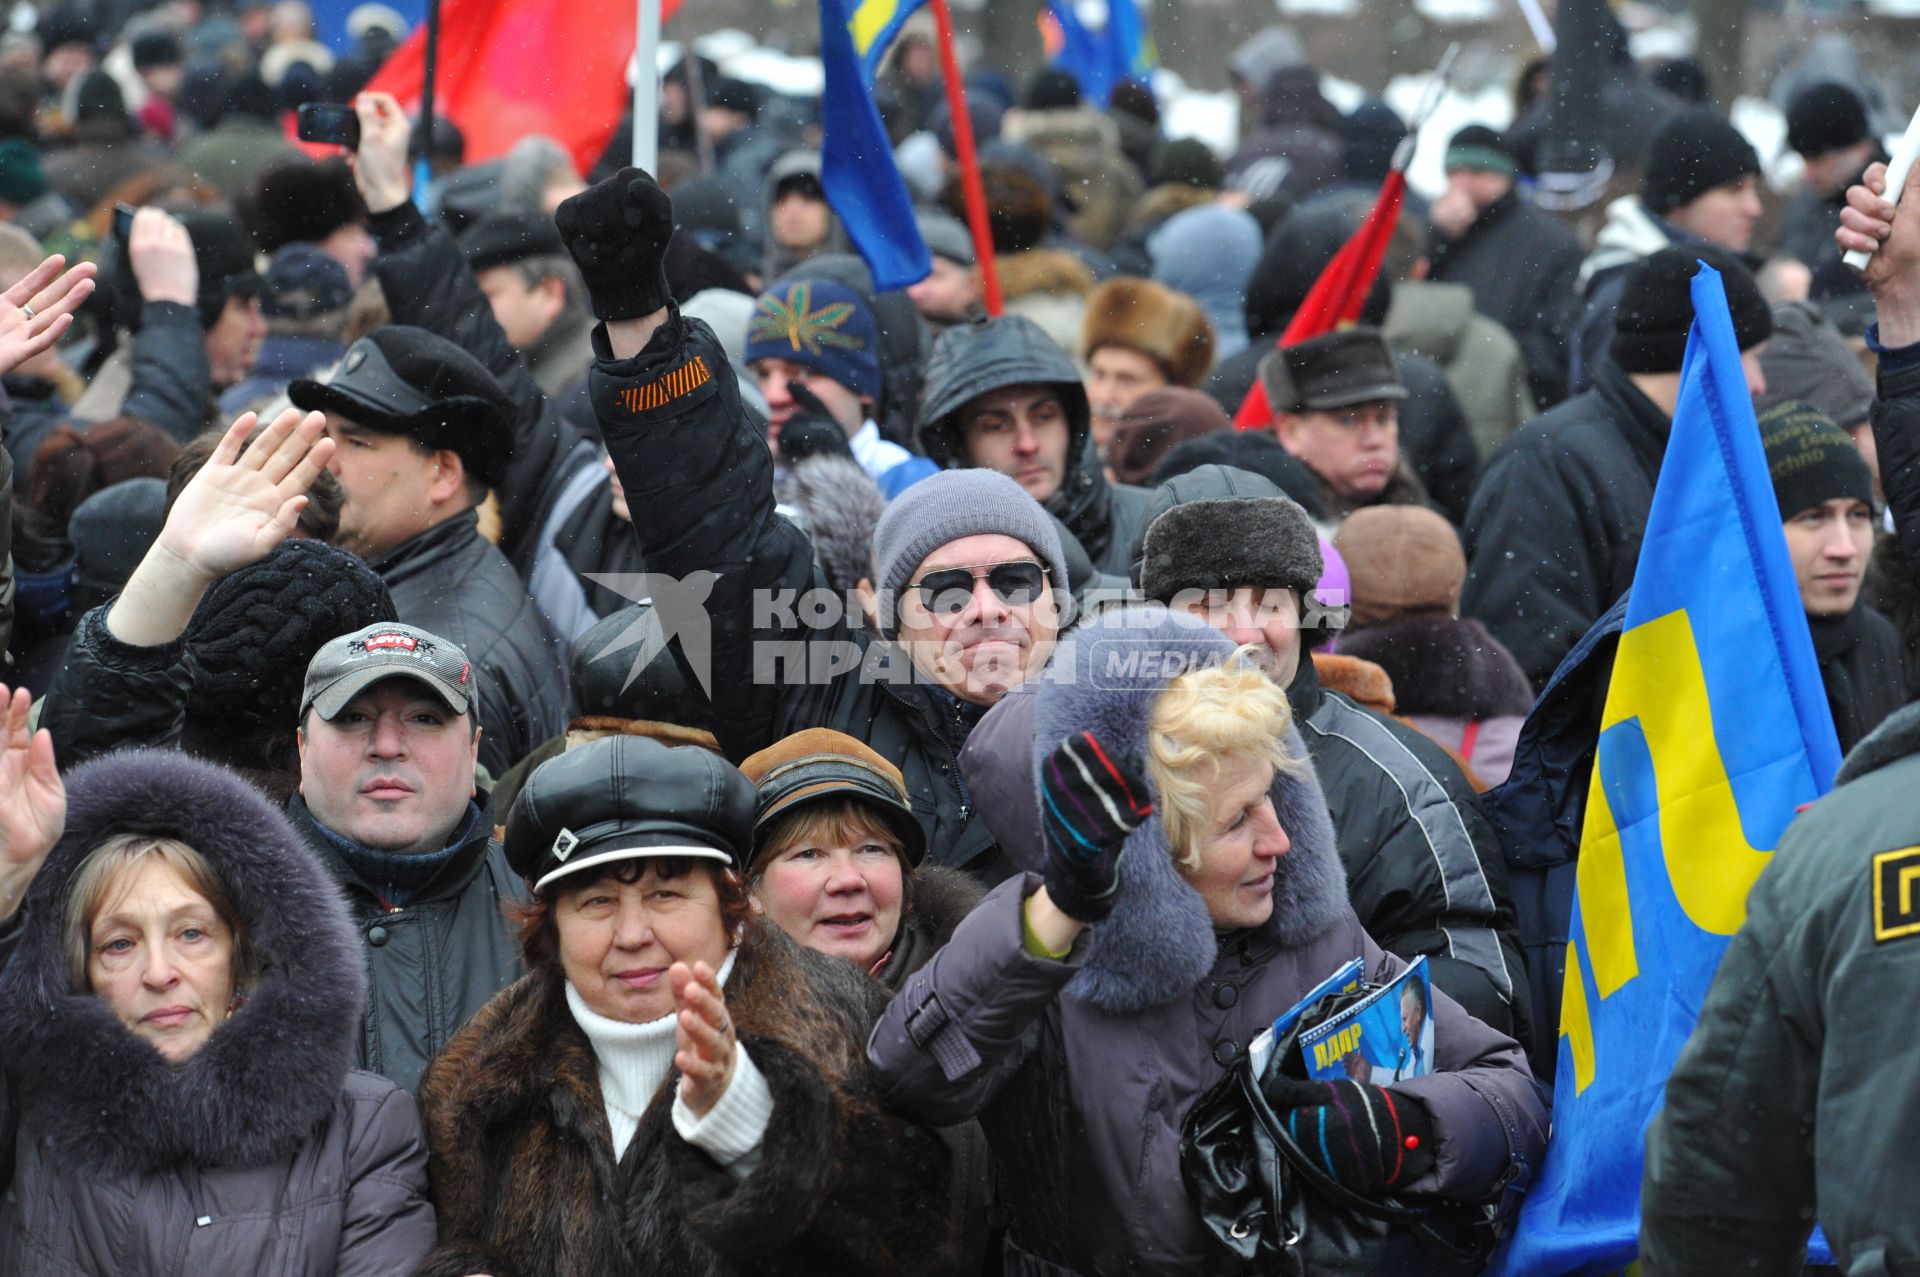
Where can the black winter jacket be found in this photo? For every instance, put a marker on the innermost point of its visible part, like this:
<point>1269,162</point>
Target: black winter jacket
<point>1524,268</point>
<point>699,479</point>
<point>1435,438</point>
<point>1108,519</point>
<point>1554,533</point>
<point>1424,871</point>
<point>449,581</point>
<point>434,961</point>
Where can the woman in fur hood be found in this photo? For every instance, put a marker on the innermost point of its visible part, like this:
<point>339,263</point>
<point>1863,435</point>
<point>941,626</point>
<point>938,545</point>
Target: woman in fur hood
<point>1080,1012</point>
<point>179,997</point>
<point>675,1087</point>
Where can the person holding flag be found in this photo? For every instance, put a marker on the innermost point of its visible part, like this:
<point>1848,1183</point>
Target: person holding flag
<point>1797,1086</point>
<point>1715,731</point>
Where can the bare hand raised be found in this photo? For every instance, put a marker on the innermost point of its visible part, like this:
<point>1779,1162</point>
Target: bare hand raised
<point>380,162</point>
<point>705,1047</point>
<point>1870,224</point>
<point>247,497</point>
<point>33,800</point>
<point>38,309</point>
<point>161,254</point>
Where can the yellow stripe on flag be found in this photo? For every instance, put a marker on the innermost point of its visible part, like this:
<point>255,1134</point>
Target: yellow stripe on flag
<point>869,20</point>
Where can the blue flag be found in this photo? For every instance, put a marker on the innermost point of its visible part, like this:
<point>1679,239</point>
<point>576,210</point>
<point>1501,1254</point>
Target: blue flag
<point>1716,730</point>
<point>1100,61</point>
<point>862,182</point>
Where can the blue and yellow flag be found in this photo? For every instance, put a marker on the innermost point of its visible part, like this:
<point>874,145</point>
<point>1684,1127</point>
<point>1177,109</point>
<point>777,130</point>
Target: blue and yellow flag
<point>1100,61</point>
<point>857,168</point>
<point>1716,729</point>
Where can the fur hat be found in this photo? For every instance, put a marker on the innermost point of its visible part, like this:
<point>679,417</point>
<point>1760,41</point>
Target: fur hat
<point>1225,544</point>
<point>1140,315</point>
<point>300,201</point>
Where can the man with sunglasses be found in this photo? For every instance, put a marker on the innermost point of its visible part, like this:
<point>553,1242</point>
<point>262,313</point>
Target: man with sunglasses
<point>967,567</point>
<point>1003,396</point>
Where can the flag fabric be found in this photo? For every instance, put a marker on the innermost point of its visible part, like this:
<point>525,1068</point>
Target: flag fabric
<point>857,167</point>
<point>875,25</point>
<point>1716,729</point>
<point>1099,61</point>
<point>1338,296</point>
<point>513,67</point>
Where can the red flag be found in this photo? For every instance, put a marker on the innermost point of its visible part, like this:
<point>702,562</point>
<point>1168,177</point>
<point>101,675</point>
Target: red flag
<point>1340,293</point>
<point>513,67</point>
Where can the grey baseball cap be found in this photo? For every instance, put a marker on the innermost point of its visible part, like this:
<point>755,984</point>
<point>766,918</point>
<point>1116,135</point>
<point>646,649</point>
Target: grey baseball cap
<point>350,664</point>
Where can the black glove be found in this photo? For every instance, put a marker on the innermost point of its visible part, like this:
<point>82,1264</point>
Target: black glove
<point>617,231</point>
<point>1368,1138</point>
<point>811,431</point>
<point>1091,800</point>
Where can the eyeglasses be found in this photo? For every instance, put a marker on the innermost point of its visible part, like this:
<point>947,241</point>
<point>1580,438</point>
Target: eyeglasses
<point>948,591</point>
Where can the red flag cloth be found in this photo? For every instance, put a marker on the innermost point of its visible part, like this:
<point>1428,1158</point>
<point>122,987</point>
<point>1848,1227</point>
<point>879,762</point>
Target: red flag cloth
<point>513,67</point>
<point>1340,293</point>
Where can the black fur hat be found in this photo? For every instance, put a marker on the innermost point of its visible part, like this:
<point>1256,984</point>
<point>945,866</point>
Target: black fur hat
<point>1224,544</point>
<point>300,201</point>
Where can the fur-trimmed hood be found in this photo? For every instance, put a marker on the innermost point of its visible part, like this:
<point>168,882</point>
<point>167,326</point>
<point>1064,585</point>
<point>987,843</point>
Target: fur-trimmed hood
<point>1160,941</point>
<point>271,1073</point>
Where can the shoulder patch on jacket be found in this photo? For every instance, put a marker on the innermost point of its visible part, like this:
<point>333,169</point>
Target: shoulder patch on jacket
<point>1896,911</point>
<point>681,381</point>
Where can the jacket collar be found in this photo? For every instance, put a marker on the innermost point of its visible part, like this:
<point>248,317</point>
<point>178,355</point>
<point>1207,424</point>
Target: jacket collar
<point>449,880</point>
<point>1897,737</point>
<point>1085,503</point>
<point>423,550</point>
<point>1637,418</point>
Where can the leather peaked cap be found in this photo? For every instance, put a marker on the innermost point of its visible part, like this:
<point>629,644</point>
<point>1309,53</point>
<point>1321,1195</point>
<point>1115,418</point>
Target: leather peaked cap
<point>625,798</point>
<point>401,380</point>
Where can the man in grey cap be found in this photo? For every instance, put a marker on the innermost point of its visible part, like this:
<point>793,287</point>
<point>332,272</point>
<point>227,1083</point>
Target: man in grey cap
<point>950,294</point>
<point>968,566</point>
<point>1336,407</point>
<point>388,743</point>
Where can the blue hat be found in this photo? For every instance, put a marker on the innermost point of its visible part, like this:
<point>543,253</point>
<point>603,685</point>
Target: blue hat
<point>820,325</point>
<point>303,283</point>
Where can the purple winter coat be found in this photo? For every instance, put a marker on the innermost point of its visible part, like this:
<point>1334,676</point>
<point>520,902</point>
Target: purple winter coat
<point>1082,1071</point>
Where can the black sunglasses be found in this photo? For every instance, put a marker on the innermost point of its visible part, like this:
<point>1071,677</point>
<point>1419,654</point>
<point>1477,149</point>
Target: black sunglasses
<point>948,591</point>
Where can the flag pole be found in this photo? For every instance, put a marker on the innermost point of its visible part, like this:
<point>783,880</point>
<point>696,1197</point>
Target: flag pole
<point>646,86</point>
<point>423,162</point>
<point>969,159</point>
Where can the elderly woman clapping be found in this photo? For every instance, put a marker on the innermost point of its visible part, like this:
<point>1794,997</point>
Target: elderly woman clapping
<point>675,1087</point>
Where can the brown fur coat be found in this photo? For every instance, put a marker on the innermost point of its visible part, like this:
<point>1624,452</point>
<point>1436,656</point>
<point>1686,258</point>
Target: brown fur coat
<point>522,1159</point>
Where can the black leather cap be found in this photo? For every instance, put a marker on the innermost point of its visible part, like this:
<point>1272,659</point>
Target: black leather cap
<point>626,797</point>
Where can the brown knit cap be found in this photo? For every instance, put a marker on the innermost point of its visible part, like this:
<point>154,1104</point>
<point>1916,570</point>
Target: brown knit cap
<point>1157,423</point>
<point>1405,561</point>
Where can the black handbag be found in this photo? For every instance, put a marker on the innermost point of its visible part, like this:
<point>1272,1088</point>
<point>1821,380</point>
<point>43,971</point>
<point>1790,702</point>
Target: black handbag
<point>1270,1206</point>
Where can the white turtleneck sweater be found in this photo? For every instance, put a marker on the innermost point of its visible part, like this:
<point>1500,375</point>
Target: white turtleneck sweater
<point>635,1059</point>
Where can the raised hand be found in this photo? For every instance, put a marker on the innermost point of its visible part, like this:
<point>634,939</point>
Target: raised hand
<point>33,800</point>
<point>247,497</point>
<point>380,162</point>
<point>1869,223</point>
<point>38,309</point>
<point>244,501</point>
<point>705,1049</point>
<point>617,231</point>
<point>161,254</point>
<point>1092,799</point>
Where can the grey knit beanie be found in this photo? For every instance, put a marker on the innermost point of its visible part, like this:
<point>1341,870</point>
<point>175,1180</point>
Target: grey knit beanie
<point>960,503</point>
<point>1225,544</point>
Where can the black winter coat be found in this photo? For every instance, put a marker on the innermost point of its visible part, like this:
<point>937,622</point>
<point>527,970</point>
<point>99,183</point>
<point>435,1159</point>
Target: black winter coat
<point>1863,667</point>
<point>261,1153</point>
<point>1424,871</point>
<point>434,961</point>
<point>1435,438</point>
<point>522,1155</point>
<point>449,581</point>
<point>1524,268</point>
<point>699,480</point>
<point>1554,533</point>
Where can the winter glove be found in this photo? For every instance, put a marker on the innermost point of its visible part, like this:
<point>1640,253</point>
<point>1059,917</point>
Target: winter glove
<point>617,232</point>
<point>811,431</point>
<point>1091,800</point>
<point>1370,1139</point>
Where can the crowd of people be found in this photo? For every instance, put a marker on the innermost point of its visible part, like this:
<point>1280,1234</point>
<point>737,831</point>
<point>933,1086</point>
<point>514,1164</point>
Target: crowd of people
<point>556,730</point>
